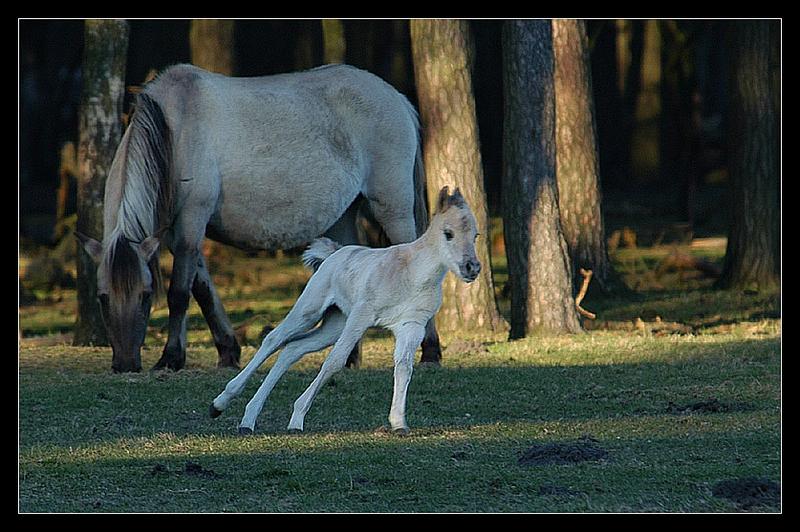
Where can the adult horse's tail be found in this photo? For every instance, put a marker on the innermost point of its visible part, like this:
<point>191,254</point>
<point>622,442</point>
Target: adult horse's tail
<point>420,193</point>
<point>420,189</point>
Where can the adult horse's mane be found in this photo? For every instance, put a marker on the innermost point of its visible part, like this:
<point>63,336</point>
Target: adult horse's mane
<point>146,203</point>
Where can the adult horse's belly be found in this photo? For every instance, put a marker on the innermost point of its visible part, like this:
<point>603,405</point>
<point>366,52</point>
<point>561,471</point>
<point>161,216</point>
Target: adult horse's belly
<point>278,213</point>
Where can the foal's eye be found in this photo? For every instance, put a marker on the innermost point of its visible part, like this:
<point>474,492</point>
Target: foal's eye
<point>448,234</point>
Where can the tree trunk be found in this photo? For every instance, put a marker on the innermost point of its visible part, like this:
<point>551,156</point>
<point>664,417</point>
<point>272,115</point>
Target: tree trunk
<point>442,55</point>
<point>539,268</point>
<point>334,46</point>
<point>104,56</point>
<point>577,166</point>
<point>211,44</point>
<point>645,139</point>
<point>752,259</point>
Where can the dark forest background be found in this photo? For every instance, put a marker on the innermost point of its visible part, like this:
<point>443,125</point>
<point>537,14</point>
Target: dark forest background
<point>659,89</point>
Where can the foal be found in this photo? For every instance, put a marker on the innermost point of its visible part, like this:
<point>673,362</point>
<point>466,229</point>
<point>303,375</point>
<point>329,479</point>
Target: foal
<point>354,288</point>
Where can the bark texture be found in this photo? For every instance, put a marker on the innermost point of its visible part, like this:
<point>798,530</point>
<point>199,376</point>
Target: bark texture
<point>100,125</point>
<point>752,258</point>
<point>443,54</point>
<point>334,46</point>
<point>211,44</point>
<point>577,166</point>
<point>539,266</point>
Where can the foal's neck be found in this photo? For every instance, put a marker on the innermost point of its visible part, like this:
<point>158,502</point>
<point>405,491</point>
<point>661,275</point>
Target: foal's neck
<point>426,266</point>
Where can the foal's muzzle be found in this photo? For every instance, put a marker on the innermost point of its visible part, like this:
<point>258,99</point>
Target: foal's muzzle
<point>470,270</point>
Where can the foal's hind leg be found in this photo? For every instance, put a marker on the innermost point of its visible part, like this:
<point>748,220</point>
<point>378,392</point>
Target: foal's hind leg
<point>306,312</point>
<point>357,323</point>
<point>344,232</point>
<point>320,338</point>
<point>221,329</point>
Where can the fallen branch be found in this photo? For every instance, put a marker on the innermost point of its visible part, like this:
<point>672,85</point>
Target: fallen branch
<point>240,330</point>
<point>587,276</point>
<point>657,327</point>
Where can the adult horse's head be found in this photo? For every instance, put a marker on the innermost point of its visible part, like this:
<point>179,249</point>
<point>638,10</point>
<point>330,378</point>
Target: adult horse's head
<point>126,280</point>
<point>455,230</point>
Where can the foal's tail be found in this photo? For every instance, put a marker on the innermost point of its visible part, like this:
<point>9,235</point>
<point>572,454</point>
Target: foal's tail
<point>319,250</point>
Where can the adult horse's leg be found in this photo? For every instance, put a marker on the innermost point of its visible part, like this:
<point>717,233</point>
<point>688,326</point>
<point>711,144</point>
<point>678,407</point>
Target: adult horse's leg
<point>184,268</point>
<point>221,329</point>
<point>431,350</point>
<point>344,232</point>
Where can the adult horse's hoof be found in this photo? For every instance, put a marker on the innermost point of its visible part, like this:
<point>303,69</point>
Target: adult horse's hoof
<point>168,364</point>
<point>171,358</point>
<point>213,411</point>
<point>402,431</point>
<point>245,431</point>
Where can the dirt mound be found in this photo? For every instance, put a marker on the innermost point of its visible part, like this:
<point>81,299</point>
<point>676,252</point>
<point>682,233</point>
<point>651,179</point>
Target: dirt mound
<point>460,346</point>
<point>571,452</point>
<point>710,406</point>
<point>749,492</point>
<point>190,468</point>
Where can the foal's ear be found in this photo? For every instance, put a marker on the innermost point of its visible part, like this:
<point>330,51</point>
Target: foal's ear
<point>457,199</point>
<point>443,201</point>
<point>92,246</point>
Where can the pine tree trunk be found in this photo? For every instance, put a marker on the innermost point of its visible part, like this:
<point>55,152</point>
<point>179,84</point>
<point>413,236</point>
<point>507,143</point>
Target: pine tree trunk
<point>539,266</point>
<point>752,259</point>
<point>211,44</point>
<point>442,54</point>
<point>104,59</point>
<point>645,139</point>
<point>334,47</point>
<point>577,166</point>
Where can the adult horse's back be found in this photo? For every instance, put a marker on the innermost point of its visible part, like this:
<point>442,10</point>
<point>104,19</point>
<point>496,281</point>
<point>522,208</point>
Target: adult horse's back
<point>259,163</point>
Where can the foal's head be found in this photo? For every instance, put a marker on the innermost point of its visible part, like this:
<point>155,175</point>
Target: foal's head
<point>454,232</point>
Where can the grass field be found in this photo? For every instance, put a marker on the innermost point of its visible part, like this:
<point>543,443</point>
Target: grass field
<point>613,420</point>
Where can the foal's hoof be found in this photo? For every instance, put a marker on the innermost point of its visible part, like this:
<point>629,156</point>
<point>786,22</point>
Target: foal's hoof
<point>213,411</point>
<point>245,431</point>
<point>401,431</point>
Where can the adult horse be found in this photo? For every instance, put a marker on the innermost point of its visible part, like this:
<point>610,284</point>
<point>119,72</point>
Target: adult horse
<point>259,163</point>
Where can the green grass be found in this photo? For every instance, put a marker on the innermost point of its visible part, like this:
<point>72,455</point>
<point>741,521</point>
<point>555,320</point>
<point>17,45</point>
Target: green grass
<point>92,441</point>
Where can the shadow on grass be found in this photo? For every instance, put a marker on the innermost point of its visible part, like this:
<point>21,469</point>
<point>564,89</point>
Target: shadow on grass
<point>101,407</point>
<point>467,469</point>
<point>701,308</point>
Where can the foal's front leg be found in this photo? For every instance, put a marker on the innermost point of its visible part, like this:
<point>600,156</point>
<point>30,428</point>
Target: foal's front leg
<point>407,339</point>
